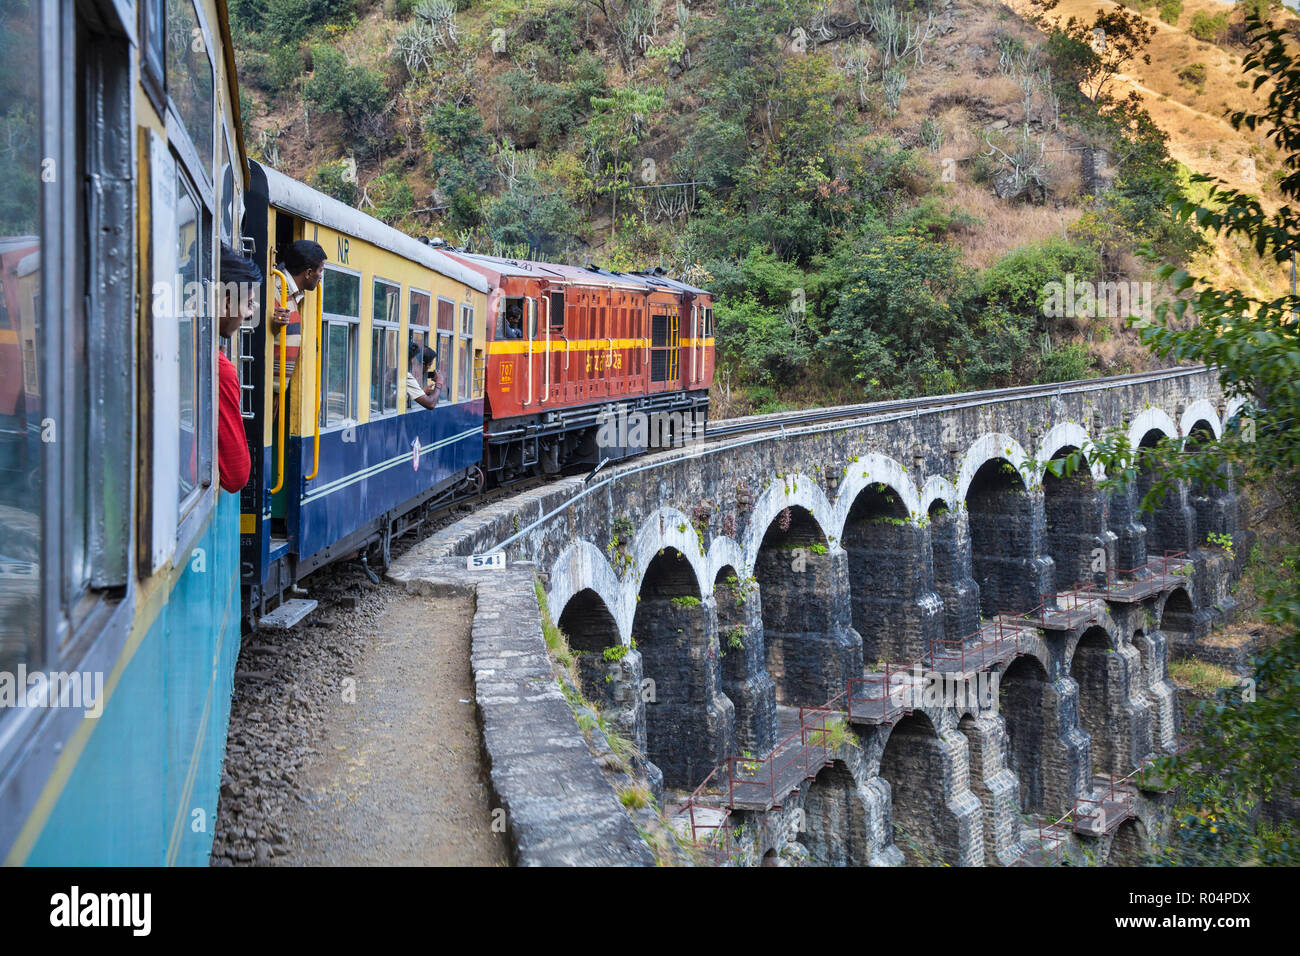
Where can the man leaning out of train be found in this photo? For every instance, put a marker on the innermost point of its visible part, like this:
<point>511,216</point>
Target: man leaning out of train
<point>303,263</point>
<point>240,279</point>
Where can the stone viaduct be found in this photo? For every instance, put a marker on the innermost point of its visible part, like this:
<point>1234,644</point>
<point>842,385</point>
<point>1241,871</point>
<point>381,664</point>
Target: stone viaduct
<point>740,579</point>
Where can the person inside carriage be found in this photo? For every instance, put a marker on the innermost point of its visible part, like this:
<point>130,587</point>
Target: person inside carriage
<point>514,322</point>
<point>425,395</point>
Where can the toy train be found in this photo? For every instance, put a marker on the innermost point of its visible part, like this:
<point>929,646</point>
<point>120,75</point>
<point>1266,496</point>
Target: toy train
<point>534,355</point>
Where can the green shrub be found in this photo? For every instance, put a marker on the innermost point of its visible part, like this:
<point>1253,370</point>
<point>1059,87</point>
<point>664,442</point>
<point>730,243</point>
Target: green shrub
<point>900,318</point>
<point>458,149</point>
<point>1018,281</point>
<point>1193,74</point>
<point>534,213</point>
<point>328,178</point>
<point>1066,364</point>
<point>1170,11</point>
<point>341,90</point>
<point>392,197</point>
<point>1207,28</point>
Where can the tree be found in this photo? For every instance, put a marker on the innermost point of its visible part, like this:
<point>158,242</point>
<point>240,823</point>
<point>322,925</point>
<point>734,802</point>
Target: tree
<point>1101,49</point>
<point>1249,746</point>
<point>899,323</point>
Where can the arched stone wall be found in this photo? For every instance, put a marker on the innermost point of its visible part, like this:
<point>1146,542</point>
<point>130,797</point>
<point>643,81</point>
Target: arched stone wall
<point>1006,533</point>
<point>689,721</point>
<point>891,577</point>
<point>936,817</point>
<point>812,649</point>
<point>741,647</point>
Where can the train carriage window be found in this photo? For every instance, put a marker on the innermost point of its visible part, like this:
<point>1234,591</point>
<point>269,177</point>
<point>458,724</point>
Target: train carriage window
<point>21,474</point>
<point>341,308</point>
<point>418,333</point>
<point>446,337</point>
<point>67,405</point>
<point>193,271</point>
<point>190,83</point>
<point>385,319</point>
<point>232,204</point>
<point>464,373</point>
<point>153,37</point>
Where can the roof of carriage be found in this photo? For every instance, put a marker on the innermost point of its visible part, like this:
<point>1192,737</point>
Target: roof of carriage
<point>302,200</point>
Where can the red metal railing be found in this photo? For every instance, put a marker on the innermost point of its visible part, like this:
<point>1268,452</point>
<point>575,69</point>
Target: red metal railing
<point>1113,806</point>
<point>798,756</point>
<point>1156,572</point>
<point>711,838</point>
<point>1080,596</point>
<point>993,643</point>
<point>875,696</point>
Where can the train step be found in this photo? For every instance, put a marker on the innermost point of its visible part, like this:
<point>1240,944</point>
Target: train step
<point>287,615</point>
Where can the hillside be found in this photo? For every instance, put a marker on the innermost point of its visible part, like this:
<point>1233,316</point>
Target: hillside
<point>882,193</point>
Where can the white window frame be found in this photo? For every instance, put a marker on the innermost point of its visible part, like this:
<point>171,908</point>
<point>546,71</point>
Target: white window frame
<point>450,335</point>
<point>411,329</point>
<point>354,348</point>
<point>386,325</point>
<point>465,356</point>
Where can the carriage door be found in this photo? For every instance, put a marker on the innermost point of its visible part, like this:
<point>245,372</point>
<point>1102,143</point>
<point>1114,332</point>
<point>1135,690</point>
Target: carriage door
<point>559,355</point>
<point>665,346</point>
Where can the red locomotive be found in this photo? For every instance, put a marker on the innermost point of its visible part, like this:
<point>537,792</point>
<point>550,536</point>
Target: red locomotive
<point>587,365</point>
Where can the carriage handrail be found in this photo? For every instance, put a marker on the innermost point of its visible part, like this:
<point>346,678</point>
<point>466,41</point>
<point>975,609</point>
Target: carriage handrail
<point>284,388</point>
<point>320,332</point>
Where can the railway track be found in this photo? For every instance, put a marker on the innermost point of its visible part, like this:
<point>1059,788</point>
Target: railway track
<point>762,423</point>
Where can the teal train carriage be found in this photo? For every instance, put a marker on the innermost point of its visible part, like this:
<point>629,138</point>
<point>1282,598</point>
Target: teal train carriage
<point>123,172</point>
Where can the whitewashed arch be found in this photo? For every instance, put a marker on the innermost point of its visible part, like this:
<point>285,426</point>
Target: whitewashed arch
<point>1150,419</point>
<point>677,532</point>
<point>986,448</point>
<point>1233,406</point>
<point>580,567</point>
<point>793,491</point>
<point>871,469</point>
<point>1065,435</point>
<point>723,552</point>
<point>938,488</point>
<point>1200,410</point>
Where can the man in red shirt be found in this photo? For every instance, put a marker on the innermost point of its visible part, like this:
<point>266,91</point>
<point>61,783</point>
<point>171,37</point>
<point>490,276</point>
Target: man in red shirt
<point>240,279</point>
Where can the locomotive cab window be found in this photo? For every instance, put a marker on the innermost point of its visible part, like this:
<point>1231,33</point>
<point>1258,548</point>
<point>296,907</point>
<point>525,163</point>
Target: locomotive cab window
<point>510,318</point>
<point>659,348</point>
<point>385,320</point>
<point>341,308</point>
<point>557,311</point>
